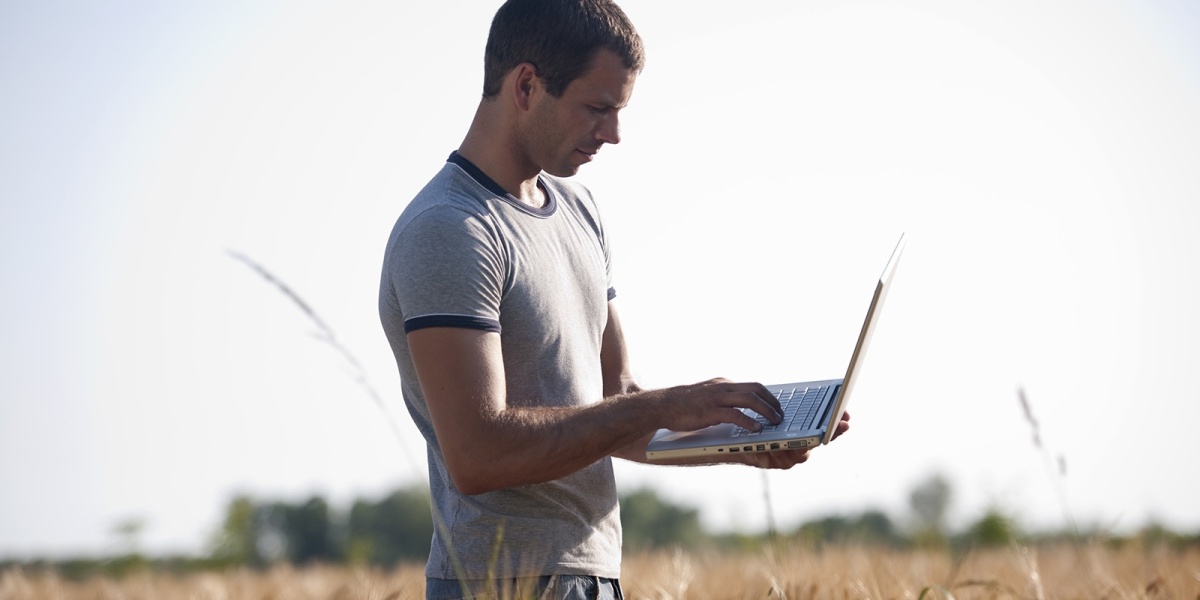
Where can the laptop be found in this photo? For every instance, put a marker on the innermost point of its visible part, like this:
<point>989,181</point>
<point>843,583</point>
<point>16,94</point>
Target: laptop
<point>811,409</point>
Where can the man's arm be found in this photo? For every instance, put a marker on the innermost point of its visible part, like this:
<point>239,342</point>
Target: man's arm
<point>618,379</point>
<point>488,444</point>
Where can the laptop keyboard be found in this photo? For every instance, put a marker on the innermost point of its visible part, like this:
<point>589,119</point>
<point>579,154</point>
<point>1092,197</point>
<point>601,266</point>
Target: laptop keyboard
<point>799,409</point>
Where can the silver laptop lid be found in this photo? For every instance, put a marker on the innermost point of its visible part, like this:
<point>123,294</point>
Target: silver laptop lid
<point>864,339</point>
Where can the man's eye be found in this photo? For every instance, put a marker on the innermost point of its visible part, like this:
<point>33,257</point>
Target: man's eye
<point>598,109</point>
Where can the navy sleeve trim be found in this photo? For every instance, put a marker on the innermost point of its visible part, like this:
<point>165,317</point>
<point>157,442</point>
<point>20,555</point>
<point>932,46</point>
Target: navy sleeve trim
<point>612,293</point>
<point>459,321</point>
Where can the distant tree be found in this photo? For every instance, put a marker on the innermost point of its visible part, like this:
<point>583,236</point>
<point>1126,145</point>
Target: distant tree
<point>398,527</point>
<point>270,532</point>
<point>128,532</point>
<point>1154,534</point>
<point>929,501</point>
<point>992,529</point>
<point>871,527</point>
<point>826,529</point>
<point>236,542</point>
<point>876,527</point>
<point>649,522</point>
<point>308,531</point>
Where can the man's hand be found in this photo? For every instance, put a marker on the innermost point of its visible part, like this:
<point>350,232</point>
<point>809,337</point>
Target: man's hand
<point>696,406</point>
<point>843,425</point>
<point>790,458</point>
<point>785,459</point>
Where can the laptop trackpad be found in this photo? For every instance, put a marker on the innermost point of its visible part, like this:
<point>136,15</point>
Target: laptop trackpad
<point>720,430</point>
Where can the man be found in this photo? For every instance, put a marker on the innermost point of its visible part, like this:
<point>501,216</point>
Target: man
<point>497,300</point>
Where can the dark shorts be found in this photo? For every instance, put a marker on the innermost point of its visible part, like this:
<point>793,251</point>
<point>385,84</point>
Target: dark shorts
<point>565,587</point>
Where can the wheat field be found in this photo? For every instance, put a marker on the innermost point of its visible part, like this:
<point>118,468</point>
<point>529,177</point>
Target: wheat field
<point>1094,571</point>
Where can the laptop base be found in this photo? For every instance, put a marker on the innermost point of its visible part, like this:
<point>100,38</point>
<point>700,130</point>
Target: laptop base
<point>721,441</point>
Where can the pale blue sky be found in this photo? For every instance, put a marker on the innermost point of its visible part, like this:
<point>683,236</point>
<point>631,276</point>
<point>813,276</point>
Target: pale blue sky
<point>1044,158</point>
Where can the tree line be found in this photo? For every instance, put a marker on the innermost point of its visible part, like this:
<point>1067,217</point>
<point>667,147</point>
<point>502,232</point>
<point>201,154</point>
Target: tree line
<point>397,527</point>
<point>382,532</point>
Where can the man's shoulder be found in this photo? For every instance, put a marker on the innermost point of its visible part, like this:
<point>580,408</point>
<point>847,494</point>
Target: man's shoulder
<point>447,207</point>
<point>449,190</point>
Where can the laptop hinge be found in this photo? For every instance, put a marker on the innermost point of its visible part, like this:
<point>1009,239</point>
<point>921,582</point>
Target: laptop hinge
<point>833,400</point>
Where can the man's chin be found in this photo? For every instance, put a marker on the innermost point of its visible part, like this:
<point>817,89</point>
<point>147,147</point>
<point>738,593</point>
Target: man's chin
<point>562,170</point>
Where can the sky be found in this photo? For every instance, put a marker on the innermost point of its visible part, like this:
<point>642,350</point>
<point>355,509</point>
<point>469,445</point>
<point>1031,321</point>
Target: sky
<point>1042,158</point>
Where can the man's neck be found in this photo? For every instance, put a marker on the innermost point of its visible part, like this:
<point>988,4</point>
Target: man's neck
<point>489,148</point>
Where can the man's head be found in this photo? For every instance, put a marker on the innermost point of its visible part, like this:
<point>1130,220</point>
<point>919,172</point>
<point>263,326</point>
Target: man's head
<point>560,38</point>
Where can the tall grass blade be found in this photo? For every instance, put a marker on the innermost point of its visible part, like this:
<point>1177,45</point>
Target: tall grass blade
<point>771,532</point>
<point>1056,466</point>
<point>328,336</point>
<point>930,588</point>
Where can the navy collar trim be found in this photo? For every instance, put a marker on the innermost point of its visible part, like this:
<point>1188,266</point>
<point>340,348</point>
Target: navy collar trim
<point>490,184</point>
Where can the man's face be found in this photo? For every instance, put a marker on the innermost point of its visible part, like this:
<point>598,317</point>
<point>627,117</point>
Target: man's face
<point>563,133</point>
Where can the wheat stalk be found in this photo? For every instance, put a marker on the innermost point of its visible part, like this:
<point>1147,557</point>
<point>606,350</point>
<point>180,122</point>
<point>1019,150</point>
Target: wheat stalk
<point>1056,466</point>
<point>327,335</point>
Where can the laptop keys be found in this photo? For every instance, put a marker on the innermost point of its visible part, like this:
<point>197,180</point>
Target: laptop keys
<point>799,409</point>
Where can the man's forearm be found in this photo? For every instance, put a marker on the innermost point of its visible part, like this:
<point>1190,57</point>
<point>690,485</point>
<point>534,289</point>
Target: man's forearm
<point>527,445</point>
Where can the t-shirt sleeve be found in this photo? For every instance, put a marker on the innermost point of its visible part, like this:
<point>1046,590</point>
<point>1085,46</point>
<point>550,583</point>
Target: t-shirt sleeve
<point>447,270</point>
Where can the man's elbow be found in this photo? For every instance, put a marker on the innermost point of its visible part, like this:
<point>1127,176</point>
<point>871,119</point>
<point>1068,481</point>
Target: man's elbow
<point>471,480</point>
<point>473,487</point>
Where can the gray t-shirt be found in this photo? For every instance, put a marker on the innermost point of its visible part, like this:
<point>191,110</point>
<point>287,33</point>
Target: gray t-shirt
<point>466,254</point>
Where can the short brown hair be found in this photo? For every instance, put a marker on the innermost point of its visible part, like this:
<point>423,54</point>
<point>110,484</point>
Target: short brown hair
<point>560,38</point>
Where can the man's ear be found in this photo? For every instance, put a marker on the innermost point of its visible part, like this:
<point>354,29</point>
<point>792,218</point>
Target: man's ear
<point>524,85</point>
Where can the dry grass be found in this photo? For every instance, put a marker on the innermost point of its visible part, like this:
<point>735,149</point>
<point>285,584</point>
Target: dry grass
<point>1091,572</point>
<point>282,582</point>
<point>1059,573</point>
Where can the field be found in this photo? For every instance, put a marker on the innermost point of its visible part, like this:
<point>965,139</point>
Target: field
<point>1094,571</point>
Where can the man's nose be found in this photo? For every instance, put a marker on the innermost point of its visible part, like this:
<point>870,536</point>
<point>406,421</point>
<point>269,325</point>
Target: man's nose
<point>609,131</point>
